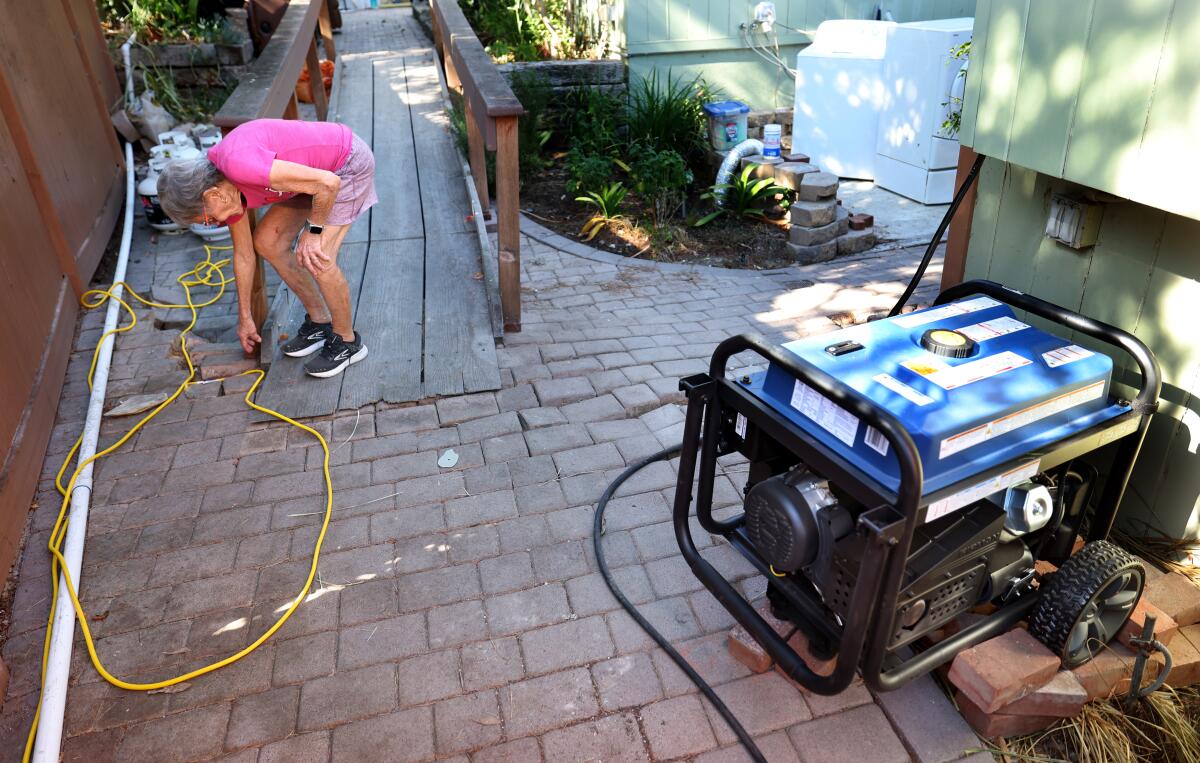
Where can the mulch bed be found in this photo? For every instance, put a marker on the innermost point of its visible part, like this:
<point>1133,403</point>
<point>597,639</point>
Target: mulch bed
<point>725,242</point>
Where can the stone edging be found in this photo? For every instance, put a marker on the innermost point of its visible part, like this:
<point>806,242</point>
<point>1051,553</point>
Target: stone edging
<point>544,235</point>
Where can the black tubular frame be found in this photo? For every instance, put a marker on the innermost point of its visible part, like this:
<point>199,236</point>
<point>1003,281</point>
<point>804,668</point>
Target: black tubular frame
<point>861,642</point>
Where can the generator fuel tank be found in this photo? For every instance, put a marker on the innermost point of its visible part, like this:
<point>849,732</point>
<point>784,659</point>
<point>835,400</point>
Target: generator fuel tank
<point>972,384</point>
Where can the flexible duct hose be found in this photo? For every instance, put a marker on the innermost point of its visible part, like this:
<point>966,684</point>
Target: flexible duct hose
<point>746,148</point>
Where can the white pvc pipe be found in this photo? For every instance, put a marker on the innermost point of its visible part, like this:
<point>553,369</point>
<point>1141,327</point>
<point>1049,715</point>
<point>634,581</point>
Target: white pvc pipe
<point>58,664</point>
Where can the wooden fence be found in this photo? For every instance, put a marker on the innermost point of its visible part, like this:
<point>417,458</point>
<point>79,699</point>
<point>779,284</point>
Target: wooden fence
<point>268,91</point>
<point>63,174</point>
<point>492,112</point>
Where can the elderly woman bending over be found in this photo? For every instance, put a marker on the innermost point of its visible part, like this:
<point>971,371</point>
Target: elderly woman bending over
<point>318,178</point>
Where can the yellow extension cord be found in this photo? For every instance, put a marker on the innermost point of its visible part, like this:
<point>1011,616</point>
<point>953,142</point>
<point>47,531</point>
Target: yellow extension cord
<point>205,273</point>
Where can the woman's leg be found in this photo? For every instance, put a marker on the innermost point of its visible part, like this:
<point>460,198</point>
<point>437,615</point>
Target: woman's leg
<point>274,235</point>
<point>332,283</point>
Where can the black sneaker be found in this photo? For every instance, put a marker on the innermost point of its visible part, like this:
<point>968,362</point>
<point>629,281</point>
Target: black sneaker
<point>336,356</point>
<point>310,338</point>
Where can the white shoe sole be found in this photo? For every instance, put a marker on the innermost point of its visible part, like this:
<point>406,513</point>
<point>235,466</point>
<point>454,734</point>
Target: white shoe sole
<point>304,353</point>
<point>342,367</point>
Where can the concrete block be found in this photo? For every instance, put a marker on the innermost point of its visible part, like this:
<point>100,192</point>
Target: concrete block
<point>764,165</point>
<point>1003,669</point>
<point>993,725</point>
<point>1165,627</point>
<point>813,214</point>
<point>810,255</point>
<point>1061,697</point>
<point>1176,595</point>
<point>802,236</point>
<point>789,174</point>
<point>856,241</point>
<point>842,216</point>
<point>797,156</point>
<point>818,185</point>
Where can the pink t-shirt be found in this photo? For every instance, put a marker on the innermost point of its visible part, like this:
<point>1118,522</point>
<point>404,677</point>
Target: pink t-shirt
<point>244,156</point>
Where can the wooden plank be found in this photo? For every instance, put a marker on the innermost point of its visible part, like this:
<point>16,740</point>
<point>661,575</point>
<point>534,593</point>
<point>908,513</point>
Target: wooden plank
<point>398,215</point>
<point>354,109</point>
<point>287,388</point>
<point>460,353</point>
<point>316,82</point>
<point>976,75</point>
<point>390,317</point>
<point>1001,71</point>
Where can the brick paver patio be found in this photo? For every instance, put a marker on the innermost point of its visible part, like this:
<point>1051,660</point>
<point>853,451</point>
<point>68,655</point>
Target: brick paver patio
<point>458,613</point>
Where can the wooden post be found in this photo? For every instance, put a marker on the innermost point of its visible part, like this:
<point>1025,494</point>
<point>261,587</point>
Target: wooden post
<point>292,110</point>
<point>317,82</point>
<point>94,83</point>
<point>476,153</point>
<point>326,27</point>
<point>508,201</point>
<point>435,23</point>
<point>955,264</point>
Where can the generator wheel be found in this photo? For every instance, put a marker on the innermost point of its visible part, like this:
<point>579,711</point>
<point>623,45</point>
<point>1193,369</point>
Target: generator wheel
<point>1085,603</point>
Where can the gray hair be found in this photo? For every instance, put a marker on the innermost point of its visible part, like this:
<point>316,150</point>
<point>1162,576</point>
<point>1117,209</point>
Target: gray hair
<point>181,187</point>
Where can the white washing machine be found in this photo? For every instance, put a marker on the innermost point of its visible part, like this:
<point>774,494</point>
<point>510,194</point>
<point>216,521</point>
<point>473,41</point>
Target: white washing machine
<point>839,94</point>
<point>916,157</point>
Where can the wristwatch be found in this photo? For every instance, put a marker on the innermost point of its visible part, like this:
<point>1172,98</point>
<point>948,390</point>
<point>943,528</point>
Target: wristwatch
<point>315,229</point>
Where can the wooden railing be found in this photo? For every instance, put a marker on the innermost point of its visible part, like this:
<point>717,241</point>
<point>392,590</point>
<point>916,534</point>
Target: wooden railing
<point>268,91</point>
<point>492,112</point>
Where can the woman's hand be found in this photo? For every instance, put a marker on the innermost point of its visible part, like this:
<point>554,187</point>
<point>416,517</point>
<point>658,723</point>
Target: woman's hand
<point>310,255</point>
<point>247,334</point>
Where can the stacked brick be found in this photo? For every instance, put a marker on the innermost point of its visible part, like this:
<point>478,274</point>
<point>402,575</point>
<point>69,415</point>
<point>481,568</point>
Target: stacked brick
<point>820,228</point>
<point>1012,684</point>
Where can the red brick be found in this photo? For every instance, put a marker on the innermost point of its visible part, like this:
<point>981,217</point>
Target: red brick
<point>1165,627</point>
<point>799,642</point>
<point>4,680</point>
<point>746,650</point>
<point>1003,669</point>
<point>993,725</point>
<point>1109,672</point>
<point>1176,595</point>
<point>1043,567</point>
<point>1185,653</point>
<point>1062,697</point>
<point>861,221</point>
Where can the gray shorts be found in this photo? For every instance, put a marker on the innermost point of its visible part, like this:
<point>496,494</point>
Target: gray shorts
<point>357,193</point>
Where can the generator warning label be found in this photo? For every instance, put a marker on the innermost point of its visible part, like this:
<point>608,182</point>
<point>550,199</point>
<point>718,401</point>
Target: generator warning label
<point>981,332</point>
<point>830,416</point>
<point>902,389</point>
<point>1014,421</point>
<point>912,320</point>
<point>978,492</point>
<point>1065,355</point>
<point>951,377</point>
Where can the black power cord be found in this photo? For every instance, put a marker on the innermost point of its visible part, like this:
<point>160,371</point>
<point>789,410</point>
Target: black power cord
<point>597,534</point>
<point>937,237</point>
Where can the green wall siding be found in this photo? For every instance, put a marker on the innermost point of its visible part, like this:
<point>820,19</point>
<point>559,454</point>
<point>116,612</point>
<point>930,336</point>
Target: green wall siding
<point>702,38</point>
<point>1101,92</point>
<point>1144,276</point>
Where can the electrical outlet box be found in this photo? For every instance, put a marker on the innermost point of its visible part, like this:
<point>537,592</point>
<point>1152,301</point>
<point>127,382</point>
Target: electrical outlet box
<point>1073,222</point>
<point>764,16</point>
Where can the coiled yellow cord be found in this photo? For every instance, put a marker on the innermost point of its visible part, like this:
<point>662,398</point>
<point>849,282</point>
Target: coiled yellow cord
<point>206,273</point>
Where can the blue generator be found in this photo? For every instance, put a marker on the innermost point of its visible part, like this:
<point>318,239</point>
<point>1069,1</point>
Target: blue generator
<point>905,471</point>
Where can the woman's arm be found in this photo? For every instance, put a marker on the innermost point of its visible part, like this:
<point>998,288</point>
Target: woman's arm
<point>323,186</point>
<point>243,268</point>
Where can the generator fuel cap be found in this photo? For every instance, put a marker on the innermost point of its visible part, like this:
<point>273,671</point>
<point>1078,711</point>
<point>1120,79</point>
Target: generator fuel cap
<point>947,343</point>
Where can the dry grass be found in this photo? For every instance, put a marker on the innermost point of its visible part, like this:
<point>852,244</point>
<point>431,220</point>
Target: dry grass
<point>1161,728</point>
<point>1166,553</point>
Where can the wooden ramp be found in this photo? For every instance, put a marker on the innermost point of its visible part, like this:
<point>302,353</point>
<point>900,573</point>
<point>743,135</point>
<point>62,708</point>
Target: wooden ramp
<point>413,263</point>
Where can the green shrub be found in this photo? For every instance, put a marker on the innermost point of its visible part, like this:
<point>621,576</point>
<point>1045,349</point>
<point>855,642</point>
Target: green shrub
<point>744,197</point>
<point>533,30</point>
<point>590,118</point>
<point>587,170</point>
<point>661,177</point>
<point>165,21</point>
<point>669,115</point>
